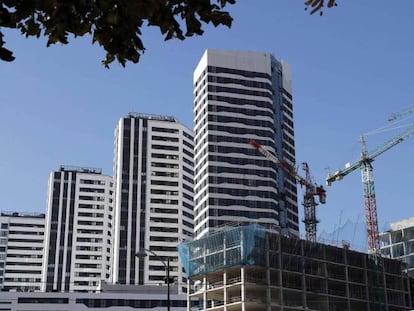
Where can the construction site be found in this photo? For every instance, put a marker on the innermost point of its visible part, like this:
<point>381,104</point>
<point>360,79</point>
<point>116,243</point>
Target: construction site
<point>251,268</point>
<point>254,268</point>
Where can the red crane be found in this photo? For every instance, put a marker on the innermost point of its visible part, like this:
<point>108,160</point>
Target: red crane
<point>311,190</point>
<point>365,165</point>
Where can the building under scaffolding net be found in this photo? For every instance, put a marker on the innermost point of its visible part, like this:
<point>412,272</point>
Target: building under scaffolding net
<point>248,268</point>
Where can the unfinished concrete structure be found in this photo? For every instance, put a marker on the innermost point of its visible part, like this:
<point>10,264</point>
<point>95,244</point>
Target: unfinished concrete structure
<point>249,268</point>
<point>398,242</point>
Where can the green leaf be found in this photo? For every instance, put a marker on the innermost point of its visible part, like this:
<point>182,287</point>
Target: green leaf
<point>6,55</point>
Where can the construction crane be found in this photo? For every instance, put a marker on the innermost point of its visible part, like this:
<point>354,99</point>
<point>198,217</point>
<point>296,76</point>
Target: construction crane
<point>311,190</point>
<point>365,164</point>
<point>402,114</point>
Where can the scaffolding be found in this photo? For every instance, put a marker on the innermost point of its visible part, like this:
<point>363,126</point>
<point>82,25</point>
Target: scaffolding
<point>229,247</point>
<point>249,268</point>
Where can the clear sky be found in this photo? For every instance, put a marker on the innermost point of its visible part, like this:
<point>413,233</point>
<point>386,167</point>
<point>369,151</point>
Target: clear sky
<point>351,68</point>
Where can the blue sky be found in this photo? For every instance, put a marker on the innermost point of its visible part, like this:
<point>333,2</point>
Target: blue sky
<point>351,68</point>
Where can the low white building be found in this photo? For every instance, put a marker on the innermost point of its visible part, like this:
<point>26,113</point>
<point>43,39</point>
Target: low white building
<point>21,251</point>
<point>112,298</point>
<point>398,242</point>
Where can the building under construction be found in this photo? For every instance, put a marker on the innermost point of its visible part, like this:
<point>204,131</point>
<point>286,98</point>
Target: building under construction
<point>248,268</point>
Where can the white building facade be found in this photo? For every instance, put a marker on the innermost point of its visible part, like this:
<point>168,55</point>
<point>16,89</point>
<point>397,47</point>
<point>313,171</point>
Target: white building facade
<point>21,251</point>
<point>153,173</point>
<point>79,232</point>
<point>239,96</point>
<point>398,242</point>
<point>111,298</point>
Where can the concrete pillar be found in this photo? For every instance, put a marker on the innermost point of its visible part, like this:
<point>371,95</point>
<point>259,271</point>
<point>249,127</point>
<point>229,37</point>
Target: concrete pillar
<point>243,290</point>
<point>204,284</point>
<point>225,289</point>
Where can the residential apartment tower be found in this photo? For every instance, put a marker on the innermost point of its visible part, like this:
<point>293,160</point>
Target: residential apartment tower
<point>79,231</point>
<point>21,251</point>
<point>239,96</point>
<point>153,172</point>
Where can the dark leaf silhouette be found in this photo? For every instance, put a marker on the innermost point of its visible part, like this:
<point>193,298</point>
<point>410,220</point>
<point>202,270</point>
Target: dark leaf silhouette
<point>116,24</point>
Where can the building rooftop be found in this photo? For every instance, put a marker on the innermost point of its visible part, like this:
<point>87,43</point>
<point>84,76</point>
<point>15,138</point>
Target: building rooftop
<point>404,223</point>
<point>18,214</point>
<point>151,117</point>
<point>79,169</point>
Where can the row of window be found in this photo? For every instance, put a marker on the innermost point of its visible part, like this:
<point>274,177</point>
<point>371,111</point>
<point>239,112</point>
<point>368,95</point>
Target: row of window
<point>24,263</point>
<point>93,206</point>
<point>91,248</point>
<point>239,102</point>
<point>93,190</point>
<point>92,198</point>
<point>253,112</point>
<point>251,182</point>
<point>164,130</point>
<point>23,271</point>
<point>165,138</point>
<point>288,129</point>
<point>11,240</point>
<point>201,77</point>
<point>222,89</point>
<point>139,304</point>
<point>242,171</point>
<point>246,83</point>
<point>94,215</point>
<point>93,182</point>
<point>245,121</point>
<point>269,133</point>
<point>165,165</point>
<point>22,225</point>
<point>239,213</point>
<point>164,174</point>
<point>244,73</point>
<point>91,240</point>
<point>163,156</point>
<point>247,203</point>
<point>245,192</point>
<point>13,232</point>
<point>241,161</point>
<point>164,201</point>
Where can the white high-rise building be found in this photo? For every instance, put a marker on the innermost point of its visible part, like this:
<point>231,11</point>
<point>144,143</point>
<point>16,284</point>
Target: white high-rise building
<point>78,234</point>
<point>239,96</point>
<point>153,173</point>
<point>21,251</point>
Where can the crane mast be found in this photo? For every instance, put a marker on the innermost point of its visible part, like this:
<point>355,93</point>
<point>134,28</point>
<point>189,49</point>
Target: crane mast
<point>311,190</point>
<point>309,205</point>
<point>365,165</point>
<point>370,202</point>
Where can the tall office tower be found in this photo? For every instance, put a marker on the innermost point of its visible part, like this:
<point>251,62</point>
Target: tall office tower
<point>78,239</point>
<point>21,251</point>
<point>241,96</point>
<point>153,172</point>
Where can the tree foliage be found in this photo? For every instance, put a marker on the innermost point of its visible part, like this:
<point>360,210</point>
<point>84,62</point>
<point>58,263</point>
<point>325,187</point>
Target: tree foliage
<point>115,24</point>
<point>318,5</point>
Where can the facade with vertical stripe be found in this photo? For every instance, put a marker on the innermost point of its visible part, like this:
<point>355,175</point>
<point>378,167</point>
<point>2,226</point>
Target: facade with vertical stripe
<point>153,173</point>
<point>78,230</point>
